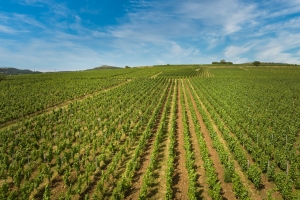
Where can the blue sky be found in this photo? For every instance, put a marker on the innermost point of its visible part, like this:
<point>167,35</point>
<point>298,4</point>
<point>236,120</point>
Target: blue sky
<point>48,35</point>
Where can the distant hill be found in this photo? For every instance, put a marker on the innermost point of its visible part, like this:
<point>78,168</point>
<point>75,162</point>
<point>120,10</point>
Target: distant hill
<point>15,71</point>
<point>107,67</point>
<point>268,63</point>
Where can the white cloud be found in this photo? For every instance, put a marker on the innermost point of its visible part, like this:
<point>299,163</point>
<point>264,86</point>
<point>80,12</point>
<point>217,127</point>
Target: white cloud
<point>152,32</point>
<point>280,8</point>
<point>233,51</point>
<point>290,24</point>
<point>178,51</point>
<point>17,23</point>
<point>27,20</point>
<point>48,56</point>
<point>240,60</point>
<point>279,49</point>
<point>60,10</point>
<point>230,15</point>
<point>33,2</point>
<point>196,52</point>
<point>6,29</point>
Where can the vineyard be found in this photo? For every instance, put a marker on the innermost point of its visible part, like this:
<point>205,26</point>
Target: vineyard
<point>162,132</point>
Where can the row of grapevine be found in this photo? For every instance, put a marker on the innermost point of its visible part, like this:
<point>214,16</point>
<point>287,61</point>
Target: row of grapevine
<point>182,72</point>
<point>125,181</point>
<point>171,150</point>
<point>192,193</point>
<point>20,97</point>
<point>148,176</point>
<point>269,106</point>
<point>111,142</point>
<point>254,138</point>
<point>230,175</point>
<point>112,170</point>
<point>258,153</point>
<point>28,145</point>
<point>210,171</point>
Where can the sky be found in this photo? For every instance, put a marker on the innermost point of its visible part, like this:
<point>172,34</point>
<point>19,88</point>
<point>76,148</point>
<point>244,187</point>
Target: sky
<point>52,35</point>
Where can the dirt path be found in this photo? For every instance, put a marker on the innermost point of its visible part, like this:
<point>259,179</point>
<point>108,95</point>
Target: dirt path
<point>180,179</point>
<point>255,194</point>
<point>202,186</point>
<point>226,187</point>
<point>155,75</point>
<point>133,193</point>
<point>58,106</point>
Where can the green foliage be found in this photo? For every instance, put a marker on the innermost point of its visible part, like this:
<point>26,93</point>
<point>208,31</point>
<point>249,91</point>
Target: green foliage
<point>4,191</point>
<point>87,142</point>
<point>254,174</point>
<point>182,72</point>
<point>223,62</point>
<point>256,63</point>
<point>228,175</point>
<point>33,93</point>
<point>252,113</point>
<point>271,173</point>
<point>239,189</point>
<point>47,193</point>
<point>2,77</point>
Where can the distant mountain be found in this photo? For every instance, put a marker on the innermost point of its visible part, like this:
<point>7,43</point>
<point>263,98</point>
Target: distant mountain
<point>14,71</point>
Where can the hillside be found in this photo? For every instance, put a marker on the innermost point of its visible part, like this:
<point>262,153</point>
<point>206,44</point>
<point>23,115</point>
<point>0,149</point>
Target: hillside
<point>106,67</point>
<point>184,132</point>
<point>15,71</point>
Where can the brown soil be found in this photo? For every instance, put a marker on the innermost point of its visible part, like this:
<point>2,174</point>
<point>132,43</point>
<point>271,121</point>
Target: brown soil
<point>133,193</point>
<point>226,187</point>
<point>137,179</point>
<point>202,187</point>
<point>180,179</point>
<point>159,189</point>
<point>266,185</point>
<point>57,188</point>
<point>112,180</point>
<point>245,181</point>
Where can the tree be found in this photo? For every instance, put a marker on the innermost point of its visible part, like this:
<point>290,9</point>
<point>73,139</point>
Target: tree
<point>256,63</point>
<point>223,61</point>
<point>2,77</point>
<point>127,67</point>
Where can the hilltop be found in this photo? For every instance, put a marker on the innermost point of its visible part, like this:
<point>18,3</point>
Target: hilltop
<point>15,71</point>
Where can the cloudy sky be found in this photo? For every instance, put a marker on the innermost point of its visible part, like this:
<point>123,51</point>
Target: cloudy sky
<point>80,34</point>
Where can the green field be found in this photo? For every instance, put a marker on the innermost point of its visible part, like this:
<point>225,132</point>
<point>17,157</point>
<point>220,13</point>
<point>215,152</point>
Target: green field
<point>162,132</point>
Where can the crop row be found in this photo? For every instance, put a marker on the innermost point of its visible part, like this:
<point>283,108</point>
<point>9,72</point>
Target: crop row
<point>189,155</point>
<point>148,176</point>
<point>36,145</point>
<point>230,175</point>
<point>125,182</point>
<point>258,152</point>
<point>20,97</point>
<point>171,150</point>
